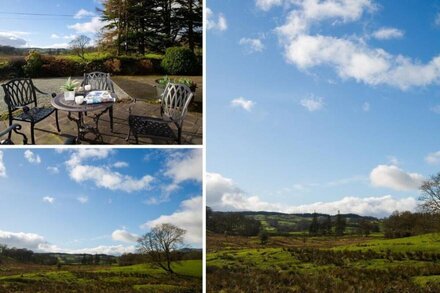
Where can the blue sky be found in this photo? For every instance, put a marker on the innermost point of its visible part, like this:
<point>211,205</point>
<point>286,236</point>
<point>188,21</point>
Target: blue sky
<point>322,105</point>
<point>49,31</point>
<point>97,200</point>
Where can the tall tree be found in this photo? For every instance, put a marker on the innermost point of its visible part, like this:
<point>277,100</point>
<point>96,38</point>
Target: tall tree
<point>340,224</point>
<point>314,226</point>
<point>431,195</point>
<point>161,243</point>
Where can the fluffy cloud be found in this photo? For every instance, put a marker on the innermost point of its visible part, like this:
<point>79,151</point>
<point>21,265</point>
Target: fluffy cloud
<point>393,177</point>
<point>124,236</point>
<point>432,158</point>
<point>224,195</point>
<point>31,157</point>
<point>2,166</point>
<point>268,4</point>
<point>214,22</point>
<point>348,57</point>
<point>83,13</point>
<point>49,199</point>
<point>38,243</point>
<point>243,103</point>
<point>93,26</point>
<point>188,217</point>
<point>388,33</point>
<point>187,166</point>
<point>312,104</point>
<point>120,165</point>
<point>53,169</point>
<point>253,45</point>
<point>83,199</point>
<point>103,176</point>
<point>13,39</point>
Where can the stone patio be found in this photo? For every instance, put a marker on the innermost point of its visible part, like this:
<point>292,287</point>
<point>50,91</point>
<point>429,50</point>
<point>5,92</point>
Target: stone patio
<point>47,134</point>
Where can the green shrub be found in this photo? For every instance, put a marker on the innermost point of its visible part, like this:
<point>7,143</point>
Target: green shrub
<point>33,65</point>
<point>179,60</point>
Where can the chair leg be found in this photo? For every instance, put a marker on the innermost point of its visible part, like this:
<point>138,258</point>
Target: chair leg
<point>110,114</point>
<point>179,135</point>
<point>32,133</point>
<point>56,118</point>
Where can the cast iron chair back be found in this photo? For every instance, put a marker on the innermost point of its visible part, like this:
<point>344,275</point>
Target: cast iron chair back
<point>19,93</point>
<point>99,81</point>
<point>175,101</point>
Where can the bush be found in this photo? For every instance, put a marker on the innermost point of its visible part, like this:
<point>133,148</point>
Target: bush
<point>34,62</point>
<point>179,60</point>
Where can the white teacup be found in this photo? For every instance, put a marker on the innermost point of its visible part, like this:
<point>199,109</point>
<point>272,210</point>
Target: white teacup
<point>88,87</point>
<point>79,100</point>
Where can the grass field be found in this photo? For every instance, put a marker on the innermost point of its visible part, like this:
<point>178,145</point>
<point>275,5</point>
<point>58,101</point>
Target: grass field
<point>87,278</point>
<point>324,264</point>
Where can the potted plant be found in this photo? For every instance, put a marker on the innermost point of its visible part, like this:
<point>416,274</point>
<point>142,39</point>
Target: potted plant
<point>188,82</point>
<point>69,89</point>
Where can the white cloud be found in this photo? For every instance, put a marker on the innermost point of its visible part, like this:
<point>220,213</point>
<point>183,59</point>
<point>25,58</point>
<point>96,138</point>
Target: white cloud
<point>432,158</point>
<point>366,107</point>
<point>49,199</point>
<point>312,104</point>
<point>268,4</point>
<point>188,166</point>
<point>124,236</point>
<point>188,217</point>
<point>13,39</point>
<point>253,45</point>
<point>56,46</point>
<point>2,166</point>
<point>243,103</point>
<point>93,26</point>
<point>31,157</point>
<point>103,176</point>
<point>83,199</point>
<point>348,57</point>
<point>38,243</point>
<point>83,13</point>
<point>387,33</point>
<point>53,169</point>
<point>214,22</point>
<point>224,195</point>
<point>54,36</point>
<point>120,165</point>
<point>393,177</point>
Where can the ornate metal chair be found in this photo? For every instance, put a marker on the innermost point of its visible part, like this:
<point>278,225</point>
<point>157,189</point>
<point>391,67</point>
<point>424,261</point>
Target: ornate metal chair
<point>100,81</point>
<point>13,128</point>
<point>21,93</point>
<point>174,106</point>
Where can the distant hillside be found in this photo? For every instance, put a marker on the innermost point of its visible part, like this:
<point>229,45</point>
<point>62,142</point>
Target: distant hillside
<point>282,223</point>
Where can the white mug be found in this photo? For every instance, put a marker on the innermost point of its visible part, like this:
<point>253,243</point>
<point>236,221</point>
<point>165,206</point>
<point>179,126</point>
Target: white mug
<point>88,87</point>
<point>79,100</point>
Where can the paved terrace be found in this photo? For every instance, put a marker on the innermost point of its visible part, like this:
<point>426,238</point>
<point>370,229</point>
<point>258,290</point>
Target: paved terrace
<point>127,88</point>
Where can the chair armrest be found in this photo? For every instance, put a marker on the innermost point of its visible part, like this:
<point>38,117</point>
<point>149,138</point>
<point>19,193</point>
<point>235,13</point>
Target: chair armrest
<point>10,128</point>
<point>39,91</point>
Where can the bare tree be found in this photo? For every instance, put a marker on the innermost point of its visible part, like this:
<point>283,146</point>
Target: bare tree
<point>79,45</point>
<point>161,243</point>
<point>431,194</point>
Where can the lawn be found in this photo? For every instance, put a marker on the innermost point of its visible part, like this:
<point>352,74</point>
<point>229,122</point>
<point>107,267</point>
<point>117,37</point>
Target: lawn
<point>88,278</point>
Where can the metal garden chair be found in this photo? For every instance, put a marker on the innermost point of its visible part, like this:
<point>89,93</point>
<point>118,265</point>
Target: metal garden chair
<point>21,98</point>
<point>100,81</point>
<point>174,107</point>
<point>13,128</point>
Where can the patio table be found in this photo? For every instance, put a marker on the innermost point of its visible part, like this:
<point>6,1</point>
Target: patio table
<point>61,104</point>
